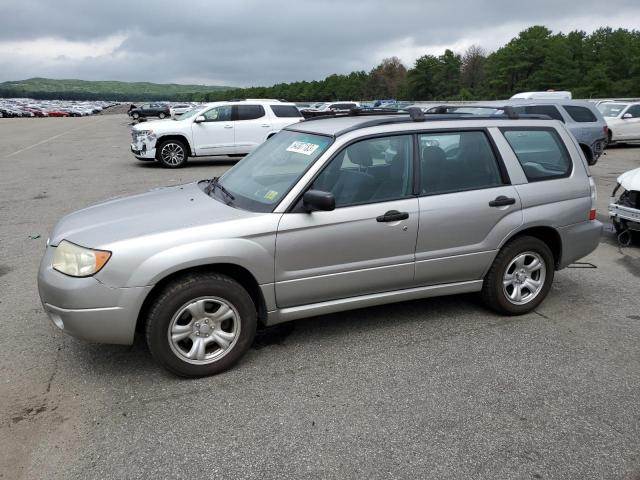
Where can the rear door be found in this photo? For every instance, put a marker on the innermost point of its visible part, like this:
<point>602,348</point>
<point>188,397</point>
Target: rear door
<point>629,128</point>
<point>366,245</point>
<point>252,124</point>
<point>214,136</point>
<point>467,206</point>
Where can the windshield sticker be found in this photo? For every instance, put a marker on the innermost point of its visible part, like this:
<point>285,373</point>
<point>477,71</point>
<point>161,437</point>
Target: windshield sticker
<point>303,148</point>
<point>272,194</point>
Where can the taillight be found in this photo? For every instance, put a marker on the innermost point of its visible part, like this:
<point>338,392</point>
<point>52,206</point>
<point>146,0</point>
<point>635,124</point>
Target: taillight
<point>594,197</point>
<point>605,129</point>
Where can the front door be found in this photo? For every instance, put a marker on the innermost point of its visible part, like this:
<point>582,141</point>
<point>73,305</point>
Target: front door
<point>467,207</point>
<point>366,245</point>
<point>216,135</point>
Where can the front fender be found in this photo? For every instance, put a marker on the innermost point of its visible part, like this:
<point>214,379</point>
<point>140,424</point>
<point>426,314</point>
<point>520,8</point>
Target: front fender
<point>255,257</point>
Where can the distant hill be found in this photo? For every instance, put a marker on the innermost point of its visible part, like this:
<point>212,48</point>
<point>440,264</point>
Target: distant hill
<point>47,88</point>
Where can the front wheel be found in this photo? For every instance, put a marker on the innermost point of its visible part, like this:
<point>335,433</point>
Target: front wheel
<point>135,116</point>
<point>171,154</point>
<point>520,277</point>
<point>162,115</point>
<point>201,324</point>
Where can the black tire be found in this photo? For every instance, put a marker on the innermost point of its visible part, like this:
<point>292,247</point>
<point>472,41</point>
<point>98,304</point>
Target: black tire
<point>162,115</point>
<point>135,115</point>
<point>173,299</point>
<point>493,293</point>
<point>164,156</point>
<point>591,158</point>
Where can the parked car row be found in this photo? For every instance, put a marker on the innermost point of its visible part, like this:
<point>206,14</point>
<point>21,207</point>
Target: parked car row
<point>160,109</point>
<point>26,107</point>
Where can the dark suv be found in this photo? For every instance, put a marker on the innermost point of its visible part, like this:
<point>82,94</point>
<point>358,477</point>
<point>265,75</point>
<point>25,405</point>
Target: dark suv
<point>150,110</point>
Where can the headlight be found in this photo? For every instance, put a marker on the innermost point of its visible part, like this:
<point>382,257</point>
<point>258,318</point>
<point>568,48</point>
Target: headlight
<point>77,261</point>
<point>146,133</point>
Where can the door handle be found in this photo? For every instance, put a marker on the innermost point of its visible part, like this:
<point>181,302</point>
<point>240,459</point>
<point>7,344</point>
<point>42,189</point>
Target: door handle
<point>502,201</point>
<point>228,126</point>
<point>265,125</point>
<point>392,216</point>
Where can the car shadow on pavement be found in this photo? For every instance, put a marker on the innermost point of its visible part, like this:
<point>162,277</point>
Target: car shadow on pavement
<point>136,362</point>
<point>200,162</point>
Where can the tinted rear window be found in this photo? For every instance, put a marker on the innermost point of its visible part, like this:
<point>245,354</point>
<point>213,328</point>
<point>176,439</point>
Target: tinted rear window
<point>540,152</point>
<point>285,111</point>
<point>580,114</point>
<point>548,110</point>
<point>249,112</point>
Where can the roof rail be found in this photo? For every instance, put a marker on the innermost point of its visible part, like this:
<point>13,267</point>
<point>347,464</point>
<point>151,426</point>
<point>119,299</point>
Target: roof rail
<point>448,109</point>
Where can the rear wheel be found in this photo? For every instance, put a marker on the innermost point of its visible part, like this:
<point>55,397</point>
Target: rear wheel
<point>171,153</point>
<point>162,115</point>
<point>201,324</point>
<point>520,277</point>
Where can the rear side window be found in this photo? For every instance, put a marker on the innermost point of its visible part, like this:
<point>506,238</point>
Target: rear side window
<point>548,110</point>
<point>540,152</point>
<point>285,111</point>
<point>580,114</point>
<point>457,161</point>
<point>248,112</point>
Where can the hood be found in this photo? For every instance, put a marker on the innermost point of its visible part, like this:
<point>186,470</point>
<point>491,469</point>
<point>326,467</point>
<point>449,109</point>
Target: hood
<point>160,210</point>
<point>158,125</point>
<point>630,180</point>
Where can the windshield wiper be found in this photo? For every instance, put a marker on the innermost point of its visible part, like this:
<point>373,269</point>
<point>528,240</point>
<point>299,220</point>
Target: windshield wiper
<point>213,183</point>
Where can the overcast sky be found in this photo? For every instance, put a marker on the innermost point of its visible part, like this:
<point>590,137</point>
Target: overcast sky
<point>259,42</point>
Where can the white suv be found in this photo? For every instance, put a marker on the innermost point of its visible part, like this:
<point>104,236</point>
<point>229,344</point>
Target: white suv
<point>623,119</point>
<point>220,128</point>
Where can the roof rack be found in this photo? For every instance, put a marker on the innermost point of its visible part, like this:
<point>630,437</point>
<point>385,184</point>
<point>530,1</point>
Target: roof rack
<point>415,114</point>
<point>449,109</point>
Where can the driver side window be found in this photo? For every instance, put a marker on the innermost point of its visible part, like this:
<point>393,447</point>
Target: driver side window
<point>372,170</point>
<point>218,114</point>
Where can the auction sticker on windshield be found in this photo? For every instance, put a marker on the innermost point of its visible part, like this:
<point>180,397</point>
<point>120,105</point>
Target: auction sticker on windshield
<point>303,148</point>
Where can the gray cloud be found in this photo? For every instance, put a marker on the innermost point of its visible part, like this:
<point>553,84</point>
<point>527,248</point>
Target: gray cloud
<point>261,43</point>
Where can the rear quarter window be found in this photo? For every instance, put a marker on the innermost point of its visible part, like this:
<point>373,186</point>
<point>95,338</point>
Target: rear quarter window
<point>580,114</point>
<point>249,112</point>
<point>285,111</point>
<point>540,151</point>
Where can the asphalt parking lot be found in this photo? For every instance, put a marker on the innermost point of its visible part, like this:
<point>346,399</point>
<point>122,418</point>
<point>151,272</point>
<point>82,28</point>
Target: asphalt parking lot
<point>438,388</point>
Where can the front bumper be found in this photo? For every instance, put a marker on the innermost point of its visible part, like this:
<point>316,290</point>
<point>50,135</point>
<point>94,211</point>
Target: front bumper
<point>143,150</point>
<point>88,309</point>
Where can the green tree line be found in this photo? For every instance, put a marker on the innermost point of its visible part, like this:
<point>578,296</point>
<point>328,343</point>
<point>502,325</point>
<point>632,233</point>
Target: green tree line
<point>605,63</point>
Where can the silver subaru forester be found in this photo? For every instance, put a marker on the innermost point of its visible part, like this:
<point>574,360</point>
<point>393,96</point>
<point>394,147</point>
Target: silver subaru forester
<point>328,215</point>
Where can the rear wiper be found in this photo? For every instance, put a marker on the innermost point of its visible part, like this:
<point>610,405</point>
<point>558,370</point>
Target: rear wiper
<point>213,183</point>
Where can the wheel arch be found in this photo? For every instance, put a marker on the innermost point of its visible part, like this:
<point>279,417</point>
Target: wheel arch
<point>548,235</point>
<point>175,136</point>
<point>238,273</point>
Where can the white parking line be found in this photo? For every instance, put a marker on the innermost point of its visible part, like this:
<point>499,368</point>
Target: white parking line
<point>47,140</point>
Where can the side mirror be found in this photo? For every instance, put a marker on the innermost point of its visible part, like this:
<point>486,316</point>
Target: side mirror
<point>314,200</point>
<point>200,119</point>
<point>627,115</point>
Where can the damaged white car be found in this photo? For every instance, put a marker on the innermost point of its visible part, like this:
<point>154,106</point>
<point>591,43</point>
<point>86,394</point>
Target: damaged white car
<point>625,210</point>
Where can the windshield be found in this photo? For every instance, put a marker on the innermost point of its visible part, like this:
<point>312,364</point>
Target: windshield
<point>611,109</point>
<point>189,114</point>
<point>260,180</point>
